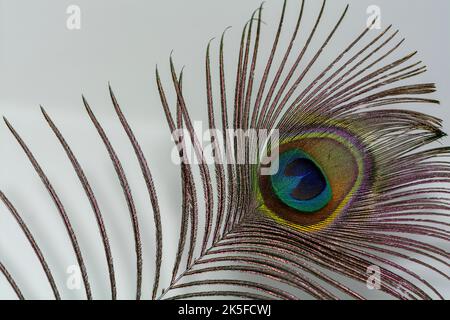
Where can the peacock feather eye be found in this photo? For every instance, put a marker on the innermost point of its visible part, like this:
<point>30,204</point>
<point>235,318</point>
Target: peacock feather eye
<point>300,183</point>
<point>318,176</point>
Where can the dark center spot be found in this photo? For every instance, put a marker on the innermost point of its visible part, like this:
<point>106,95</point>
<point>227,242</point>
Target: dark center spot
<point>312,184</point>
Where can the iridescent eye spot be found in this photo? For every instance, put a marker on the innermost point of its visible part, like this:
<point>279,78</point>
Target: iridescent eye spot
<point>317,178</point>
<point>311,180</point>
<point>300,183</point>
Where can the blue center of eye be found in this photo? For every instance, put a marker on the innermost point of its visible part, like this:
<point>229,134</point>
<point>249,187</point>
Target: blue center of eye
<point>311,180</point>
<point>300,183</point>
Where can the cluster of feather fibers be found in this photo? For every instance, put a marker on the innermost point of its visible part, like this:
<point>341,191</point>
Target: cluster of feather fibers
<point>386,190</point>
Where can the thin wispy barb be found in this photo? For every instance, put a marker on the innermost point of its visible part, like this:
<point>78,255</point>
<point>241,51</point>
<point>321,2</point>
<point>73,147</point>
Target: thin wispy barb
<point>127,193</point>
<point>59,207</point>
<point>11,281</point>
<point>92,200</point>
<point>32,241</point>
<point>150,187</point>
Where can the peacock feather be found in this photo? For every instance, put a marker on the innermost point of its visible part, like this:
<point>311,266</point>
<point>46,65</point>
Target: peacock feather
<point>323,180</point>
